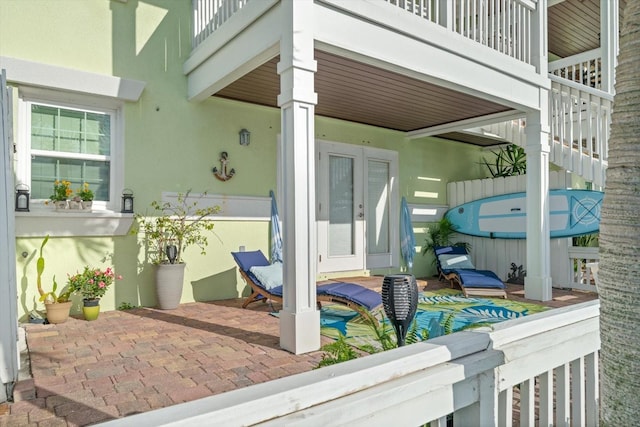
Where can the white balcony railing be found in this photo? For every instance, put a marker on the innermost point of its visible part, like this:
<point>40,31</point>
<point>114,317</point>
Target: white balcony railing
<point>209,15</point>
<point>503,25</point>
<point>580,121</point>
<point>585,68</point>
<point>583,268</point>
<point>540,369</point>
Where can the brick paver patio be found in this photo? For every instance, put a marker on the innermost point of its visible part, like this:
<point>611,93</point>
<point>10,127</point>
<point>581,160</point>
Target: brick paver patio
<point>137,360</point>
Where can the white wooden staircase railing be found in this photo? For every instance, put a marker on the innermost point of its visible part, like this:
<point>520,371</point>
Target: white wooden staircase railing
<point>580,118</point>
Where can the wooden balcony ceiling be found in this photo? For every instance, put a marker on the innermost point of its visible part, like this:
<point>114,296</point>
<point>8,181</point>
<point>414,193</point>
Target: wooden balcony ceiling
<point>574,26</point>
<point>361,93</point>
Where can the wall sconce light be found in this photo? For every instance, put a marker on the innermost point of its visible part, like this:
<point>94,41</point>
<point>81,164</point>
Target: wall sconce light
<point>22,198</point>
<point>127,201</point>
<point>244,137</point>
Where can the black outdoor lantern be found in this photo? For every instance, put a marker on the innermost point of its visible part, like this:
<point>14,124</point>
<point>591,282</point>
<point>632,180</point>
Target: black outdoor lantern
<point>172,253</point>
<point>22,198</point>
<point>127,201</point>
<point>400,301</point>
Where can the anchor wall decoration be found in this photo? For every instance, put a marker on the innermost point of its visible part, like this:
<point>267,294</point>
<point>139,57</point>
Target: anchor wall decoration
<point>222,174</point>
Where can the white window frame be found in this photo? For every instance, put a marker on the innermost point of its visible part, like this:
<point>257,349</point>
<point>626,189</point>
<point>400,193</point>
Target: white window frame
<point>29,96</point>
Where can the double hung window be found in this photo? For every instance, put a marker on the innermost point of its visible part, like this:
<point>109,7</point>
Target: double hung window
<point>70,142</point>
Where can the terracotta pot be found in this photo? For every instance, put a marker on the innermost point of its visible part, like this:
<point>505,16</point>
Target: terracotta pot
<point>169,279</point>
<point>58,312</point>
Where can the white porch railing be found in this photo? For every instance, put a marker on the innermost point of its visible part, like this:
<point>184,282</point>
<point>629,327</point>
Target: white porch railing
<point>582,268</point>
<point>503,25</point>
<point>209,15</point>
<point>580,121</point>
<point>543,366</point>
<point>584,68</point>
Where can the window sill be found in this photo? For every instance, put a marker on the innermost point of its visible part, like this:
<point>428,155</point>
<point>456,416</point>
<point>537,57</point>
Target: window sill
<point>40,222</point>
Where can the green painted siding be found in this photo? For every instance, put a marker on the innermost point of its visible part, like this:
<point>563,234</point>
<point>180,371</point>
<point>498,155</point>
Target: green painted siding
<point>172,144</point>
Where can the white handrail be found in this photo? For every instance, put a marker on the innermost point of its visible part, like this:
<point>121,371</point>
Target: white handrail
<point>584,68</point>
<point>503,25</point>
<point>580,119</point>
<point>476,376</point>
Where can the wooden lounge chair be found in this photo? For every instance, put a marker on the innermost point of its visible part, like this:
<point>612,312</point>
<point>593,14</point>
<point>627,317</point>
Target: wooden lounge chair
<point>354,296</point>
<point>454,264</point>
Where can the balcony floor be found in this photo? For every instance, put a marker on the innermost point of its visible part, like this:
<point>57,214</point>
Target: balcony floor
<point>133,361</point>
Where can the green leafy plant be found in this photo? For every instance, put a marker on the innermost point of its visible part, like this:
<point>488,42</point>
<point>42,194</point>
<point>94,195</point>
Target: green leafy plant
<point>441,234</point>
<point>508,161</point>
<point>587,240</point>
<point>48,297</point>
<point>336,352</point>
<point>85,193</point>
<point>92,283</point>
<point>126,306</point>
<point>61,191</point>
<point>179,223</point>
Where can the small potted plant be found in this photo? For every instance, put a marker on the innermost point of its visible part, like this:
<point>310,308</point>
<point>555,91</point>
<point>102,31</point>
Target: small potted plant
<point>61,193</point>
<point>92,284</point>
<point>168,231</point>
<point>85,195</point>
<point>57,306</point>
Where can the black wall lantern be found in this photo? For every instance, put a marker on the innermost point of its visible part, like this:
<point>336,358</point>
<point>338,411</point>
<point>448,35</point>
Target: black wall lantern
<point>127,201</point>
<point>22,198</point>
<point>400,302</point>
<point>244,137</point>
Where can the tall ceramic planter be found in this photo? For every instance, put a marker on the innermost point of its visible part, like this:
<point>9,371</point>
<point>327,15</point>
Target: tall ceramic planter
<point>169,280</point>
<point>58,312</point>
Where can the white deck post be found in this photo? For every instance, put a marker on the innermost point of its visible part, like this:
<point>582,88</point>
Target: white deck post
<point>299,317</point>
<point>609,23</point>
<point>538,280</point>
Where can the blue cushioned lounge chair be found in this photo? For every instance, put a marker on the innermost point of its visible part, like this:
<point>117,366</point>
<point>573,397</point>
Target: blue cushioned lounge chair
<point>356,297</point>
<point>454,264</point>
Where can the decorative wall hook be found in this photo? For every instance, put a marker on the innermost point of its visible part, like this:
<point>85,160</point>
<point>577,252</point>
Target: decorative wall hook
<point>222,174</point>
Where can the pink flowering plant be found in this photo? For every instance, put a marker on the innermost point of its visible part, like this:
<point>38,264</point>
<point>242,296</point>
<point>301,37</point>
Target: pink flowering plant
<point>92,283</point>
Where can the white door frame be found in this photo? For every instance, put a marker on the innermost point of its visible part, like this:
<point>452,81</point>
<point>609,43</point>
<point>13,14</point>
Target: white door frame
<point>360,259</point>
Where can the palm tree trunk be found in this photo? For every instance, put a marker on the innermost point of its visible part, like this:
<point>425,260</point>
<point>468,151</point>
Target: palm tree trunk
<point>620,239</point>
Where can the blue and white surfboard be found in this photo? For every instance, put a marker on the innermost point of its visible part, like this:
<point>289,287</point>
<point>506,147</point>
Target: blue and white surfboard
<point>571,213</point>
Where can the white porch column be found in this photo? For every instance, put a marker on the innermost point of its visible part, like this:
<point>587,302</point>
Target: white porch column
<point>537,283</point>
<point>609,28</point>
<point>299,317</point>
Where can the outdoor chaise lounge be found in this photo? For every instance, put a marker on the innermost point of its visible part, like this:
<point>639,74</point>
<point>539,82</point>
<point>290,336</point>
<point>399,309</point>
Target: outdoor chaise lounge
<point>265,280</point>
<point>454,264</point>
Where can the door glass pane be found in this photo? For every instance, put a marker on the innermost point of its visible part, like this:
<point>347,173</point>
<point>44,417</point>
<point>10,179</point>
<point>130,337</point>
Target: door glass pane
<point>341,218</point>
<point>378,207</point>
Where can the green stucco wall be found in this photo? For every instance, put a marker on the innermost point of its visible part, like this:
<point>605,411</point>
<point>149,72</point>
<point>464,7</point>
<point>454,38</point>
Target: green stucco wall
<point>172,144</point>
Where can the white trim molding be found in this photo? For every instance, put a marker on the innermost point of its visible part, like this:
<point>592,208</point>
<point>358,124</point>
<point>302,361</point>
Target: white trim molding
<point>37,74</point>
<point>72,224</point>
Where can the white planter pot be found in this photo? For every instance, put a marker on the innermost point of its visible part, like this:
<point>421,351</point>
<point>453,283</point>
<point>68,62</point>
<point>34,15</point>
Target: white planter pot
<point>169,280</point>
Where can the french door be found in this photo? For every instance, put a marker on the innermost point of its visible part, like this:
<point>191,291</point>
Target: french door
<point>357,208</point>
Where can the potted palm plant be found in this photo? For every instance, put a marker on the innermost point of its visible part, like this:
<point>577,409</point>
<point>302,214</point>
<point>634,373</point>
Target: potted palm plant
<point>168,231</point>
<point>57,306</point>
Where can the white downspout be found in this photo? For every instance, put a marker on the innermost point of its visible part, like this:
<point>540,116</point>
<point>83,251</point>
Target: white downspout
<point>609,30</point>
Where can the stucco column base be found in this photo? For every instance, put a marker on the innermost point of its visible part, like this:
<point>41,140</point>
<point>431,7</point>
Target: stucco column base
<point>300,332</point>
<point>537,288</point>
